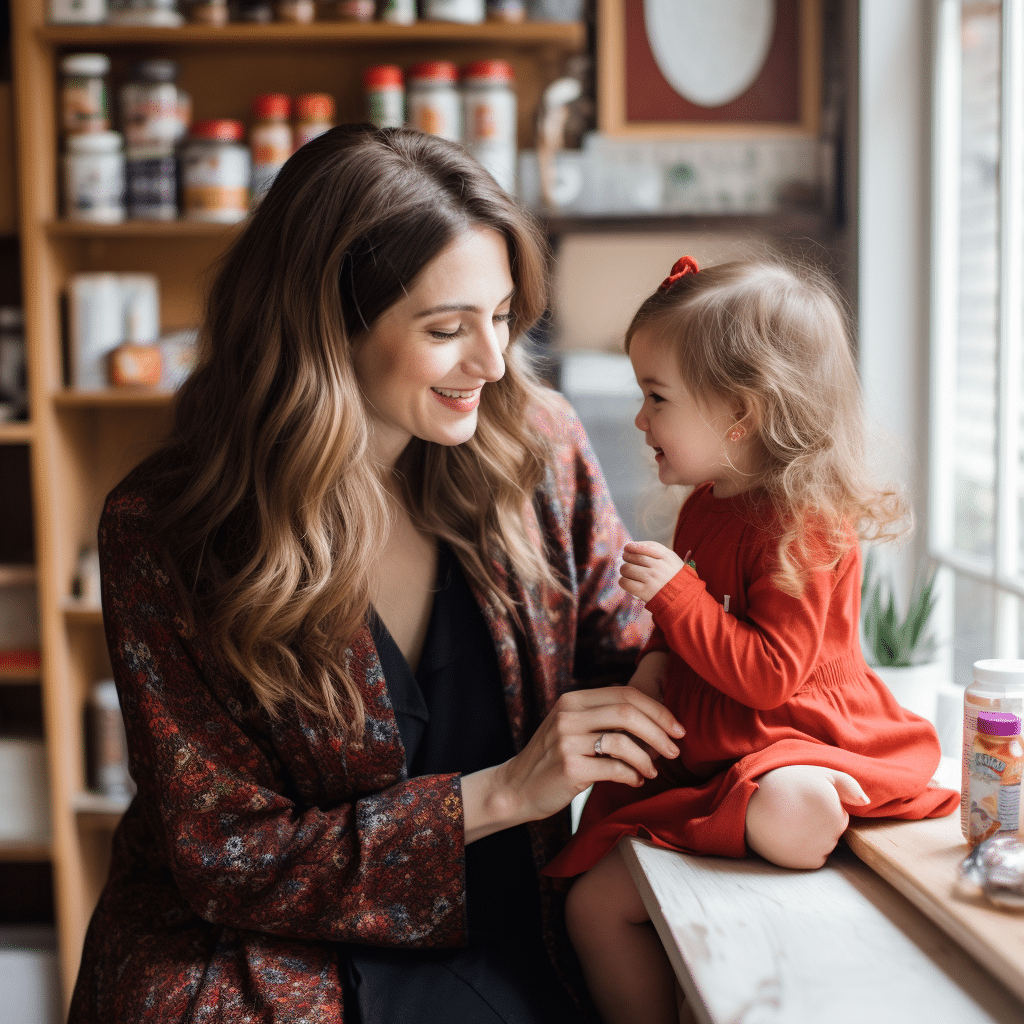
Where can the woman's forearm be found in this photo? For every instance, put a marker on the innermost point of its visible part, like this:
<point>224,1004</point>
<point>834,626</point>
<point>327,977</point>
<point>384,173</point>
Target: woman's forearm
<point>488,804</point>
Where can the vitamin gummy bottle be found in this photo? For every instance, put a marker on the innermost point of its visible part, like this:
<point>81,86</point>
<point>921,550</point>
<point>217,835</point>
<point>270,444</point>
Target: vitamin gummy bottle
<point>994,790</point>
<point>998,686</point>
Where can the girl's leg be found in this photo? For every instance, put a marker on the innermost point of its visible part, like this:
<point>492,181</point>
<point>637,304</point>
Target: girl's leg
<point>796,816</point>
<point>626,967</point>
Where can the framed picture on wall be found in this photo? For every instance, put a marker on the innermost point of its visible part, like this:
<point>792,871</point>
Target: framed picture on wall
<point>686,68</point>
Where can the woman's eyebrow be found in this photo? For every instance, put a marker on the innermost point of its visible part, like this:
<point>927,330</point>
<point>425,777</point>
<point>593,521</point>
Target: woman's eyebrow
<point>458,307</point>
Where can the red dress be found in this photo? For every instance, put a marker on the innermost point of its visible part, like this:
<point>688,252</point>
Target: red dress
<point>759,679</point>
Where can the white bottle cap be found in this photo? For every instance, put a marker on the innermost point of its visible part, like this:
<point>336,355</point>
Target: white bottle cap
<point>86,64</point>
<point>1000,672</point>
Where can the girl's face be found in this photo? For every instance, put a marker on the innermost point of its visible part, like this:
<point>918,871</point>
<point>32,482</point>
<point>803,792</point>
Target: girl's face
<point>690,438</point>
<point>426,360</point>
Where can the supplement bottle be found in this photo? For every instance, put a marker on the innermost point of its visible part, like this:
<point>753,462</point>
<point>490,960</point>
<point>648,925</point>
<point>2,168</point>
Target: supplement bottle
<point>94,178</point>
<point>270,140</point>
<point>995,771</point>
<point>207,12</point>
<point>998,686</point>
<point>109,748</point>
<point>489,118</point>
<point>385,96</point>
<point>215,172</point>
<point>465,11</point>
<point>84,93</point>
<point>314,115</point>
<point>397,12</point>
<point>151,105</point>
<point>295,12</point>
<point>352,10</point>
<point>433,99</point>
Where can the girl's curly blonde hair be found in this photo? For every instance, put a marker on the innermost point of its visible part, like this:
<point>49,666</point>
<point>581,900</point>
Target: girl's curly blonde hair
<point>775,338</point>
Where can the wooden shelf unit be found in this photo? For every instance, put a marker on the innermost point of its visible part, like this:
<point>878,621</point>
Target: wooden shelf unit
<point>84,442</point>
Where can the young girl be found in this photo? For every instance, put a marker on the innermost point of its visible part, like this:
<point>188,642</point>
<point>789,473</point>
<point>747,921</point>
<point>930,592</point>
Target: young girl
<point>750,395</point>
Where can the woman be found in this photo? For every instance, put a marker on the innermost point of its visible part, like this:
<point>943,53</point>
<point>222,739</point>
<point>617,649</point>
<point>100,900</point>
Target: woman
<point>345,604</point>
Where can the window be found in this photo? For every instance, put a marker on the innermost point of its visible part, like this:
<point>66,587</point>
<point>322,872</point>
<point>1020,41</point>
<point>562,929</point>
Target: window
<point>976,479</point>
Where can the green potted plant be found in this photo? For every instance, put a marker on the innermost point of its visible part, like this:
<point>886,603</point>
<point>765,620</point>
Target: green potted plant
<point>901,648</point>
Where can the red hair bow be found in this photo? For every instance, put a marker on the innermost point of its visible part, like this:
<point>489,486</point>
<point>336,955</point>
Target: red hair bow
<point>683,266</point>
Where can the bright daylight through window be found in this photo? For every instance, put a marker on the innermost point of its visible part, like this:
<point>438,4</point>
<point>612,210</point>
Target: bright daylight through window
<point>976,507</point>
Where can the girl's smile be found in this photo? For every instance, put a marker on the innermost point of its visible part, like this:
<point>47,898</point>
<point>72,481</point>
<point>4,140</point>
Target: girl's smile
<point>689,435</point>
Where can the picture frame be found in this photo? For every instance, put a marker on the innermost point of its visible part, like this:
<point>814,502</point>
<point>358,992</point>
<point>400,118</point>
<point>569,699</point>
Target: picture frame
<point>636,99</point>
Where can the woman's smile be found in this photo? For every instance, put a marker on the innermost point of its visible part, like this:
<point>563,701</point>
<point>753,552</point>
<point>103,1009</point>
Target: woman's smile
<point>452,325</point>
<point>460,401</point>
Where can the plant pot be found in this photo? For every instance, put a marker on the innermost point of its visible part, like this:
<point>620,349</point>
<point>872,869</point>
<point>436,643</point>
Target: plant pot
<point>915,687</point>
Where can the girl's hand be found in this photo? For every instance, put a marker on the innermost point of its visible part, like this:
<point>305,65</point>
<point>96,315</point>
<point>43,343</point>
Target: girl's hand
<point>646,567</point>
<point>651,673</point>
<point>560,762</point>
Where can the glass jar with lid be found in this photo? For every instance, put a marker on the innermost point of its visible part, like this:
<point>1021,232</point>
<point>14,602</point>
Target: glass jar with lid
<point>314,115</point>
<point>215,172</point>
<point>433,99</point>
<point>385,95</point>
<point>489,118</point>
<point>270,140</point>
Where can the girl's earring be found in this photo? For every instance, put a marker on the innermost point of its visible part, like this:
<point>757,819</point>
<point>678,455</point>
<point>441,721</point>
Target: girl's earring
<point>737,432</point>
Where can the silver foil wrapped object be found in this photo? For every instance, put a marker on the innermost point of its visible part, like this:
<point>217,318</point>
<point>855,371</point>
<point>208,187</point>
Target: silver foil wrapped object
<point>997,867</point>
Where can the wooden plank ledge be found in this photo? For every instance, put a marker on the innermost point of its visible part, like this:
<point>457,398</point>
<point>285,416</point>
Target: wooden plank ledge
<point>922,860</point>
<point>751,942</point>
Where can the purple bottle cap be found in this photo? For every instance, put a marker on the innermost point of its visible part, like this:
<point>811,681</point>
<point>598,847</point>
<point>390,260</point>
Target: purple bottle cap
<point>998,723</point>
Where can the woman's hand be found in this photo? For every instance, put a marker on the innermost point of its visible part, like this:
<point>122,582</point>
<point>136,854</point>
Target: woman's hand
<point>560,761</point>
<point>646,567</point>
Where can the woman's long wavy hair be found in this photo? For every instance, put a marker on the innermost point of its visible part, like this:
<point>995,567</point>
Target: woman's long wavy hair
<point>272,510</point>
<point>774,339</point>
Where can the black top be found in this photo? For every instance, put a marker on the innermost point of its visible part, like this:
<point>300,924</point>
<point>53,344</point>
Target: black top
<point>451,716</point>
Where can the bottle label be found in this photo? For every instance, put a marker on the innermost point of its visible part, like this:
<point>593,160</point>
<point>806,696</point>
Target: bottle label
<point>994,805</point>
<point>1014,704</point>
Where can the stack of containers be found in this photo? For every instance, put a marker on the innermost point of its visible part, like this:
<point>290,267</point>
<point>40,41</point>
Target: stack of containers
<point>270,140</point>
<point>489,118</point>
<point>155,115</point>
<point>94,165</point>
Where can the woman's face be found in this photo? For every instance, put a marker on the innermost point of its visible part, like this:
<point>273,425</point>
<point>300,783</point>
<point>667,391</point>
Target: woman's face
<point>426,360</point>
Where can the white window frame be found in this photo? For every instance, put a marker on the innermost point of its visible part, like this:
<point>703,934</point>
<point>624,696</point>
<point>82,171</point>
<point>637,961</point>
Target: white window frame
<point>1001,572</point>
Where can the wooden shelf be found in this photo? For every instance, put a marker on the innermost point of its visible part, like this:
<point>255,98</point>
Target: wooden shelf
<point>112,398</point>
<point>568,36</point>
<point>139,229</point>
<point>798,221</point>
<point>25,851</point>
<point>16,433</point>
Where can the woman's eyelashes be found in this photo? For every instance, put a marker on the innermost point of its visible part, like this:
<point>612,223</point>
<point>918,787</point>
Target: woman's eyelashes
<point>458,331</point>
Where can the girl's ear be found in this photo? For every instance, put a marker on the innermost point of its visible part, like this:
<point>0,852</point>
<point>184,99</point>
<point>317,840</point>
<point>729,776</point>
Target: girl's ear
<point>745,415</point>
